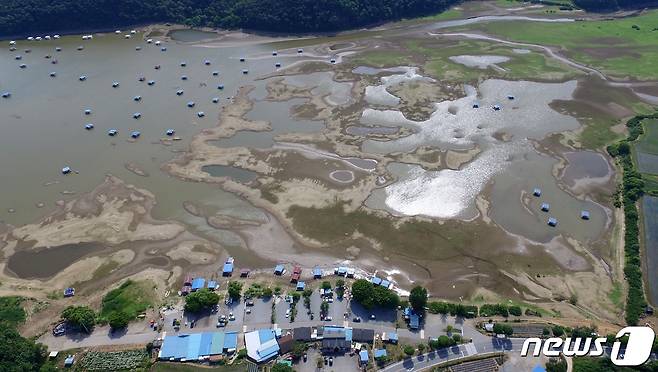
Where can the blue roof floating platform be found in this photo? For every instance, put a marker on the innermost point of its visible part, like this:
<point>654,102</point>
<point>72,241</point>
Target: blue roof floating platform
<point>279,269</point>
<point>536,192</point>
<point>545,207</point>
<point>552,221</point>
<point>69,292</point>
<point>584,215</point>
<point>317,272</point>
<point>227,270</point>
<point>212,285</point>
<point>301,286</point>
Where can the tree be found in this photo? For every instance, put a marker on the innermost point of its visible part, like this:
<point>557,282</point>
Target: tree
<point>18,354</point>
<point>118,320</point>
<point>298,349</point>
<point>371,296</point>
<point>556,365</point>
<point>418,299</point>
<point>81,317</point>
<point>326,285</point>
<point>267,292</point>
<point>340,283</point>
<point>515,310</point>
<point>421,348</point>
<point>200,300</point>
<point>234,290</point>
<point>503,329</point>
<point>278,367</point>
<point>409,350</point>
<point>558,331</point>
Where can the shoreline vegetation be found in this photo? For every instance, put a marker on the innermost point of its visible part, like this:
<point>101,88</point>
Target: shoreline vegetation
<point>630,192</point>
<point>282,16</point>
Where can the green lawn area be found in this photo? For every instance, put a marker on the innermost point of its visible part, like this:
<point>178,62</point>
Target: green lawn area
<point>181,367</point>
<point>11,310</point>
<point>382,58</point>
<point>622,47</point>
<point>131,297</point>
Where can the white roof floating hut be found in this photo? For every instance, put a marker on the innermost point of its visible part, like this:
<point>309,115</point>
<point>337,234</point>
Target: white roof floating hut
<point>536,192</point>
<point>87,111</point>
<point>112,132</point>
<point>545,207</point>
<point>89,126</point>
<point>82,77</point>
<point>215,99</point>
<point>200,114</point>
<point>12,42</point>
<point>170,132</point>
<point>80,47</point>
<point>56,36</point>
<point>66,170</point>
<point>300,50</point>
<point>190,104</point>
<point>158,42</point>
<point>220,86</point>
<point>584,215</point>
<point>184,77</point>
<point>552,221</point>
<point>135,134</point>
<point>22,65</point>
<point>206,62</point>
<point>183,64</point>
<point>137,115</point>
<point>215,73</point>
<point>242,59</point>
<point>275,53</point>
<point>115,84</point>
<point>6,94</point>
<point>245,72</point>
<point>137,98</point>
<point>163,49</point>
<point>117,32</point>
<point>58,49</point>
<point>151,82</point>
<point>149,41</point>
<point>179,92</point>
<point>53,74</point>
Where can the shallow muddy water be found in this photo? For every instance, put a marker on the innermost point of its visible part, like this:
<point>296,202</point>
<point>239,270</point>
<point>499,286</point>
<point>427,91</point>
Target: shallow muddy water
<point>583,166</point>
<point>237,174</point>
<point>46,262</point>
<point>650,210</point>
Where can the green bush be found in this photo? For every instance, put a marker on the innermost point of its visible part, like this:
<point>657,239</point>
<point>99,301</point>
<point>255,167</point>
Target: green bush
<point>200,300</point>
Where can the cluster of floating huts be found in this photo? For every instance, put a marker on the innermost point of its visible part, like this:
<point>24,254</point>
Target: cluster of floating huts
<point>545,207</point>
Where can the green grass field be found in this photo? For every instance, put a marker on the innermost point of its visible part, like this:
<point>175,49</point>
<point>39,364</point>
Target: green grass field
<point>621,47</point>
<point>648,143</point>
<point>532,65</point>
<point>11,310</point>
<point>131,297</point>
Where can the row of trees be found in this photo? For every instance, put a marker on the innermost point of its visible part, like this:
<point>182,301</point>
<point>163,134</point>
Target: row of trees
<point>33,16</point>
<point>16,352</point>
<point>609,5</point>
<point>632,189</point>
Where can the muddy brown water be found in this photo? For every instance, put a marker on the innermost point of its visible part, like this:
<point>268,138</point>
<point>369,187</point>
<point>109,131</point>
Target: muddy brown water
<point>237,174</point>
<point>46,262</point>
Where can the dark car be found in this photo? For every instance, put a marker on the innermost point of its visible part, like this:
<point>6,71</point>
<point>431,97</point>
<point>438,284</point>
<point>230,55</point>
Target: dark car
<point>59,329</point>
<point>356,319</point>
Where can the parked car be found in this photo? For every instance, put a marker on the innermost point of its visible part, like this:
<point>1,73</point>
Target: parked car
<point>356,319</point>
<point>328,318</point>
<point>250,303</point>
<point>59,329</point>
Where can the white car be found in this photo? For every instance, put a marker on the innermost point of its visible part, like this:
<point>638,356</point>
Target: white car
<point>287,313</point>
<point>248,311</point>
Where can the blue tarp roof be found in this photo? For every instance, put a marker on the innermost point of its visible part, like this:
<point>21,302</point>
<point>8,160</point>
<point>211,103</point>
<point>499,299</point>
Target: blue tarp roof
<point>204,345</point>
<point>407,311</point>
<point>193,346</point>
<point>228,267</point>
<point>212,284</point>
<point>392,336</point>
<point>363,355</point>
<point>317,271</point>
<point>375,280</point>
<point>348,334</point>
<point>380,353</point>
<point>265,335</point>
<point>198,283</point>
<point>278,269</point>
<point>231,340</point>
<point>342,270</point>
<point>301,286</point>
<point>538,368</point>
<point>385,283</point>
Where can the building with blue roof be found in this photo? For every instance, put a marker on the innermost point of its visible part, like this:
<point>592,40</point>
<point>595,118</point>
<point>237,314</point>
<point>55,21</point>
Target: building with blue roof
<point>301,286</point>
<point>317,273</point>
<point>379,353</point>
<point>363,357</point>
<point>212,285</point>
<point>375,280</point>
<point>279,269</point>
<point>197,346</point>
<point>385,283</point>
<point>342,271</point>
<point>391,337</point>
<point>414,321</point>
<point>198,283</point>
<point>261,345</point>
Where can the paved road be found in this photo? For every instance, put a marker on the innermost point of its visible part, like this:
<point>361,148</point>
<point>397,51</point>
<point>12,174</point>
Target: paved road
<point>434,358</point>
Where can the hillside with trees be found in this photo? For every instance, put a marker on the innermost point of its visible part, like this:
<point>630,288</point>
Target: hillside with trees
<point>20,17</point>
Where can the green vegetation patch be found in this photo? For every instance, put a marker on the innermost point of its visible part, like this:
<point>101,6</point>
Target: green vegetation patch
<point>181,367</point>
<point>620,47</point>
<point>648,142</point>
<point>533,65</point>
<point>11,310</point>
<point>131,298</point>
<point>114,360</point>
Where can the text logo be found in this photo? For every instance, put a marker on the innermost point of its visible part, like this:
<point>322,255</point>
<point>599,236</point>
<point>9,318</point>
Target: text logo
<point>637,351</point>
